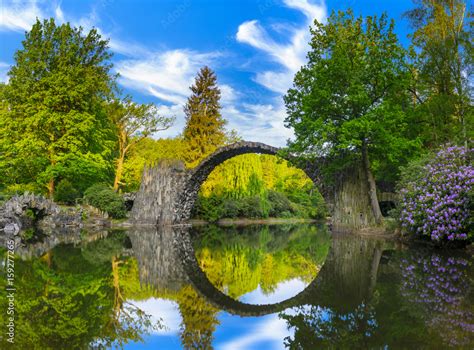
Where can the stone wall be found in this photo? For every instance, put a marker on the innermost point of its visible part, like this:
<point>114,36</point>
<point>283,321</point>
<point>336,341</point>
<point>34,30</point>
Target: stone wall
<point>156,201</point>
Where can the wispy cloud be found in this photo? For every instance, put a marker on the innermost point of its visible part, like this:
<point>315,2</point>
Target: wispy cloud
<point>166,75</point>
<point>269,332</point>
<point>19,15</point>
<point>290,55</point>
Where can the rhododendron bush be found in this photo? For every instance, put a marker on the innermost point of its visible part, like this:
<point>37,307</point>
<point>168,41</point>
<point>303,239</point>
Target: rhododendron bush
<point>436,202</point>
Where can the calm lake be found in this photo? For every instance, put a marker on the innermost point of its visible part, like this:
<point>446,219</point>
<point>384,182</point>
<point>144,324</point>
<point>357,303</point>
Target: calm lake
<point>239,287</point>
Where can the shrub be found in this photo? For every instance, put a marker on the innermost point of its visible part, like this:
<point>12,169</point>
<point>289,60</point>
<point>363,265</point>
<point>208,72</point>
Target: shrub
<point>254,207</point>
<point>279,204</point>
<point>436,194</point>
<point>106,199</point>
<point>230,208</point>
<point>208,208</point>
<point>65,192</point>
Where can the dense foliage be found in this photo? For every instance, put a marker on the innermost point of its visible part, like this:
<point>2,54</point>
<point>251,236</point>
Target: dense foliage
<point>347,103</point>
<point>258,186</point>
<point>437,196</point>
<point>442,70</point>
<point>106,199</point>
<point>55,126</point>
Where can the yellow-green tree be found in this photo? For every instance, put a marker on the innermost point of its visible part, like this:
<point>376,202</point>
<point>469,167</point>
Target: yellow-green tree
<point>133,122</point>
<point>443,69</point>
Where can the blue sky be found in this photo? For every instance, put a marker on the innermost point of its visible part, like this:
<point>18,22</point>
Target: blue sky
<point>255,47</point>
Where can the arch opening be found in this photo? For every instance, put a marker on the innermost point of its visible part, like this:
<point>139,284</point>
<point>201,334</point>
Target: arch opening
<point>200,174</point>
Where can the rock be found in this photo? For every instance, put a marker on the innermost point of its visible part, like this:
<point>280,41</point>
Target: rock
<point>13,213</point>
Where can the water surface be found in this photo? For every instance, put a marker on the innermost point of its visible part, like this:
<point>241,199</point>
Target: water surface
<point>252,287</point>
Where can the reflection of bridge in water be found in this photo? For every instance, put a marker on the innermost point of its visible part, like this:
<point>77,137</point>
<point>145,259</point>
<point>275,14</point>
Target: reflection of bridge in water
<point>167,260</point>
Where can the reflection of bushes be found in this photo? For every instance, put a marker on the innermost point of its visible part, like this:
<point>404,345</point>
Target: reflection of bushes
<point>438,286</point>
<point>103,250</point>
<point>260,255</point>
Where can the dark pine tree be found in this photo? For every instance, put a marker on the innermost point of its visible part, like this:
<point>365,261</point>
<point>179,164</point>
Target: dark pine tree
<point>204,131</point>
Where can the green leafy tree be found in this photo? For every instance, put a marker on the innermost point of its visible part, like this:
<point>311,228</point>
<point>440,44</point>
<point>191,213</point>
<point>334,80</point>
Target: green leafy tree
<point>56,126</point>
<point>134,122</point>
<point>442,73</point>
<point>347,103</point>
<point>204,131</point>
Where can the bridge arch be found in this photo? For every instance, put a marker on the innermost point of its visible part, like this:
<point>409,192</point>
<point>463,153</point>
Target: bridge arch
<point>198,175</point>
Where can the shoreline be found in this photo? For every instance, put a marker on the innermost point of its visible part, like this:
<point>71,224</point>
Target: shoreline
<point>247,221</point>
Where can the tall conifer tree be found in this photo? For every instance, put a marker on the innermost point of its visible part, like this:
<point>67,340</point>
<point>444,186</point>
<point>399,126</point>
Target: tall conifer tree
<point>204,131</point>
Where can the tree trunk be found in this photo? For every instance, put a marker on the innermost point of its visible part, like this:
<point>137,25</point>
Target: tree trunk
<point>371,183</point>
<point>51,188</point>
<point>118,171</point>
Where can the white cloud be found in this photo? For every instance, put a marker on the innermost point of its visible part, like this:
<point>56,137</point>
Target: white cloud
<point>166,75</point>
<point>59,14</point>
<point>270,329</point>
<point>161,310</point>
<point>259,122</point>
<point>291,55</point>
<point>283,291</point>
<point>19,15</point>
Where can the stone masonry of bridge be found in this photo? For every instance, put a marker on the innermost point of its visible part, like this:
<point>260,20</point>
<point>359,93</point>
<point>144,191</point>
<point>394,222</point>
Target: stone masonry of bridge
<point>168,190</point>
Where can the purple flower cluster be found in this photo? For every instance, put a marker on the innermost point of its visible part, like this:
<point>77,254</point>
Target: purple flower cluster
<point>437,205</point>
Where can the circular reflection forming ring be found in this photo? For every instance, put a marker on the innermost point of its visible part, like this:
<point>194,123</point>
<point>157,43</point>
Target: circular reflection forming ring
<point>198,278</point>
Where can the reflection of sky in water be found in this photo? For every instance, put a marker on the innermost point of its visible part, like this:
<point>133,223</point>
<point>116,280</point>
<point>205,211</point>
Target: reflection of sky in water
<point>234,332</point>
<point>283,290</point>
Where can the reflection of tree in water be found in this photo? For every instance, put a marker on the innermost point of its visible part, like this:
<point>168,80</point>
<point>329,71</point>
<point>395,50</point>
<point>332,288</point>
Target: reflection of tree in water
<point>239,259</point>
<point>438,286</point>
<point>323,328</point>
<point>341,314</point>
<point>68,298</point>
<point>421,300</point>
<point>199,319</point>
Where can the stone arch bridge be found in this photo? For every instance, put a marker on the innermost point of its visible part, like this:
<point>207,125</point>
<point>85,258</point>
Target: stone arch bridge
<point>169,191</point>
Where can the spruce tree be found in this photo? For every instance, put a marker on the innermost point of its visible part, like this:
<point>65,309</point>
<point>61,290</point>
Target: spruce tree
<point>204,131</point>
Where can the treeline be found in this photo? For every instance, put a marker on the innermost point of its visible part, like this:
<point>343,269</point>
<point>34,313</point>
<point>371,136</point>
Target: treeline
<point>362,99</point>
<point>68,132</point>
